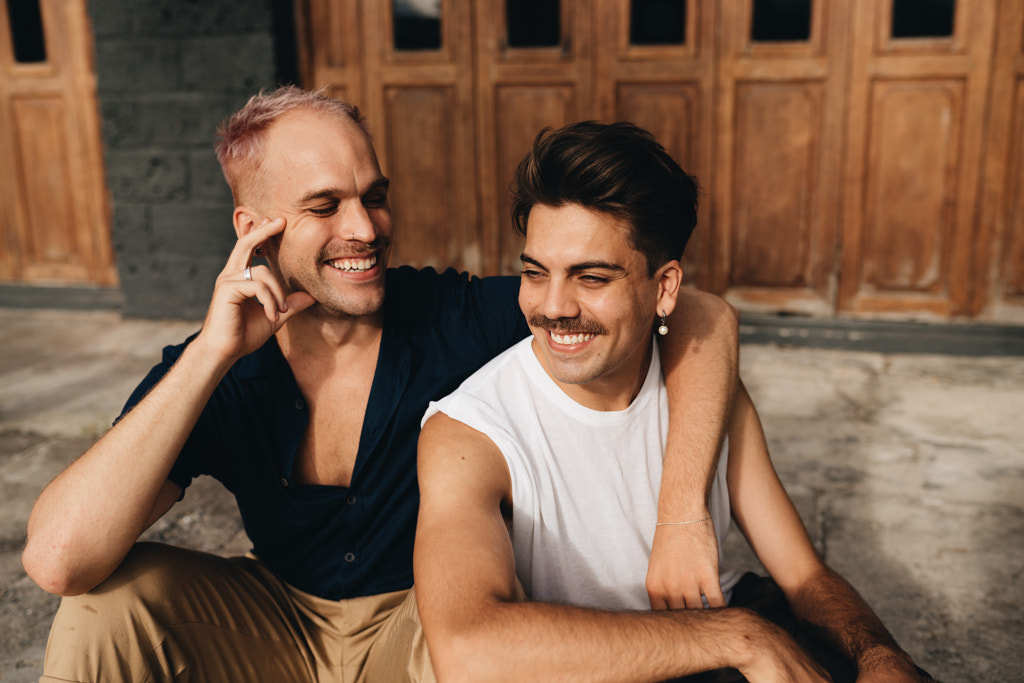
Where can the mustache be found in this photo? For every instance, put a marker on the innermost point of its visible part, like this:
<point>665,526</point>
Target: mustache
<point>566,325</point>
<point>331,252</point>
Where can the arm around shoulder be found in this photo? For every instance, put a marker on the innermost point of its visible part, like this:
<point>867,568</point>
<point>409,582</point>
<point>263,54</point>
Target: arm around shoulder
<point>700,357</point>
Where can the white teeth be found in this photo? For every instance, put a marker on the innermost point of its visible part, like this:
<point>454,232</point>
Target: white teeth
<point>570,339</point>
<point>351,265</point>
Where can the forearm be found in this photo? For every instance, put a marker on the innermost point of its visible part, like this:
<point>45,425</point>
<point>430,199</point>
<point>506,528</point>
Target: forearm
<point>700,359</point>
<point>833,609</point>
<point>87,519</point>
<point>538,641</point>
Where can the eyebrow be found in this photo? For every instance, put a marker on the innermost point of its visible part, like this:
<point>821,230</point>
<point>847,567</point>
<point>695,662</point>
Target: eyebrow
<point>331,192</point>
<point>577,267</point>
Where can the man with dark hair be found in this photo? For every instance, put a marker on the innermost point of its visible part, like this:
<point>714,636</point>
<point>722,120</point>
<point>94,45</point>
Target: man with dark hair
<point>302,394</point>
<point>540,475</point>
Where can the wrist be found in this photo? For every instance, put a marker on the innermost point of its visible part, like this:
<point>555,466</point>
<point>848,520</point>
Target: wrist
<point>884,658</point>
<point>206,359</point>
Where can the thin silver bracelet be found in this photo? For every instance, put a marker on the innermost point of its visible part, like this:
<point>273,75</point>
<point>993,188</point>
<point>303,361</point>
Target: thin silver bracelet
<point>692,521</point>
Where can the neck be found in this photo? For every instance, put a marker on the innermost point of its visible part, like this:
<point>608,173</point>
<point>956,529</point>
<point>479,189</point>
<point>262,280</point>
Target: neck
<point>613,390</point>
<point>312,334</point>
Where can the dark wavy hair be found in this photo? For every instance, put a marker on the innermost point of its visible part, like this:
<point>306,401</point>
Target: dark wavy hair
<point>615,168</point>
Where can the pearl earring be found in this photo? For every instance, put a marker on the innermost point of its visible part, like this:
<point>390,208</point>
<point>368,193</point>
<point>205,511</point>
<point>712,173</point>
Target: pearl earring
<point>663,328</point>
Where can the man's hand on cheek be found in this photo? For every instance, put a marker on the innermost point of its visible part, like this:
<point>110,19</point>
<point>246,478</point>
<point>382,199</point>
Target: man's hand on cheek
<point>249,303</point>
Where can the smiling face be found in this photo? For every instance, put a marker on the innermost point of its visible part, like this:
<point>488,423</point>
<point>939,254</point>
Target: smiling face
<point>589,301</point>
<point>321,174</point>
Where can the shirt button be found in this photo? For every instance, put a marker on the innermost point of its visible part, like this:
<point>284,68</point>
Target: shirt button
<point>284,482</point>
<point>351,500</point>
<point>350,557</point>
<point>299,404</point>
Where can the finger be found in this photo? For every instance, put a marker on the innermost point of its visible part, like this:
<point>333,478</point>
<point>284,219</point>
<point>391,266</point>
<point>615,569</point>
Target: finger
<point>271,304</point>
<point>241,256</point>
<point>693,600</point>
<point>675,600</point>
<point>714,595</point>
<point>296,303</point>
<point>267,277</point>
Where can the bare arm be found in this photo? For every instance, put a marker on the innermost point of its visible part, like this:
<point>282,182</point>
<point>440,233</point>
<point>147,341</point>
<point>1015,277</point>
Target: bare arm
<point>85,521</point>
<point>818,596</point>
<point>700,358</point>
<point>476,630</point>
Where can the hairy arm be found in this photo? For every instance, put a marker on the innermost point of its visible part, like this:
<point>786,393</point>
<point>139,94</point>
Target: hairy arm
<point>700,359</point>
<point>818,596</point>
<point>86,520</point>
<point>477,630</point>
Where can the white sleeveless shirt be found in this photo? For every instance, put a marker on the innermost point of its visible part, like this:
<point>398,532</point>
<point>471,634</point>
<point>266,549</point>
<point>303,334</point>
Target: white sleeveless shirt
<point>585,483</point>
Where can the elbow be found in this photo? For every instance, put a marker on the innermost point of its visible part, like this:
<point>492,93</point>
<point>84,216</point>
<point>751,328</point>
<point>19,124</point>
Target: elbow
<point>461,655</point>
<point>49,566</point>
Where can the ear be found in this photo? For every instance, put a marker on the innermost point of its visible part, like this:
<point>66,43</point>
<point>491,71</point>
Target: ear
<point>245,220</point>
<point>670,279</point>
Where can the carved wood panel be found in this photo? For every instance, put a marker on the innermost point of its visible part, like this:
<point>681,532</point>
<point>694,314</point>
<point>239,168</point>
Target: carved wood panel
<point>780,115</point>
<point>54,222</point>
<point>999,254</point>
<point>915,138</point>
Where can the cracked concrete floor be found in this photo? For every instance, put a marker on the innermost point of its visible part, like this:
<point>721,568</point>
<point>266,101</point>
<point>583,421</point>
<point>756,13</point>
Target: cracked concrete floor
<point>907,469</point>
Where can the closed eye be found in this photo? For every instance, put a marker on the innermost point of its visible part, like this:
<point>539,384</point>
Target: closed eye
<point>324,210</point>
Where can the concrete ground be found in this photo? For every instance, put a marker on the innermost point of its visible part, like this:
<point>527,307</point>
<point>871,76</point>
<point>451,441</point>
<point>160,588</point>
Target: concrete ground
<point>907,469</point>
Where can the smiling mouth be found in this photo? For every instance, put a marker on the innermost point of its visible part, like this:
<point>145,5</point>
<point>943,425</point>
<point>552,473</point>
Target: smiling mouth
<point>570,339</point>
<point>353,265</point>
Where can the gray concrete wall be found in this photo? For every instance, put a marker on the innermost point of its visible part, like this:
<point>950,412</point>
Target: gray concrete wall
<point>168,72</point>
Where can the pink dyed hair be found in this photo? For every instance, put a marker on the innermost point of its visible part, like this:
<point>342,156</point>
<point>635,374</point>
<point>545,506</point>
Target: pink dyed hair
<point>239,144</point>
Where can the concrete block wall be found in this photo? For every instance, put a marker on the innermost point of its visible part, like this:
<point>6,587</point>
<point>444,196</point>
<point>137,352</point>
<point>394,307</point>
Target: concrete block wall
<point>168,72</point>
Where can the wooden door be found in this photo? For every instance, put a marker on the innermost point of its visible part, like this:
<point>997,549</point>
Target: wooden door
<point>655,67</point>
<point>843,146</point>
<point>999,255</point>
<point>918,98</point>
<point>781,82</point>
<point>54,218</point>
<point>534,70</point>
<point>409,66</point>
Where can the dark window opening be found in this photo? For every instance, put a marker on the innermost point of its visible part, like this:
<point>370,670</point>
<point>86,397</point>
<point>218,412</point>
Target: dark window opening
<point>923,18</point>
<point>657,22</point>
<point>26,22</point>
<point>781,21</point>
<point>417,24</point>
<point>534,23</point>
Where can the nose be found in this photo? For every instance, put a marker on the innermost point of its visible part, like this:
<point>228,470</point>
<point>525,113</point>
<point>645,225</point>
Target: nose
<point>356,224</point>
<point>559,300</point>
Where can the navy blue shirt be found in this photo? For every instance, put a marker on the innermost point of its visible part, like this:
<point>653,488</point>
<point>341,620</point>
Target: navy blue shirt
<point>337,542</point>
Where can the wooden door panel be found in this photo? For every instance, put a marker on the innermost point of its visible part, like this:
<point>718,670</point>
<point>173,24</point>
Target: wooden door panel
<point>675,112</point>
<point>999,256</point>
<point>781,108</point>
<point>911,174</point>
<point>519,91</point>
<point>522,111</point>
<point>421,102</point>
<point>55,220</point>
<point>422,129</point>
<point>778,126</point>
<point>51,245</point>
<point>1011,266</point>
<point>917,120</point>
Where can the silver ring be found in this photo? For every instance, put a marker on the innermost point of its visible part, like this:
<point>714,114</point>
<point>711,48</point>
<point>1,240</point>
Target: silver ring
<point>247,274</point>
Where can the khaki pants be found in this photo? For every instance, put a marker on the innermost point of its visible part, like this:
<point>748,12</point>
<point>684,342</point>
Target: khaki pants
<point>170,614</point>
